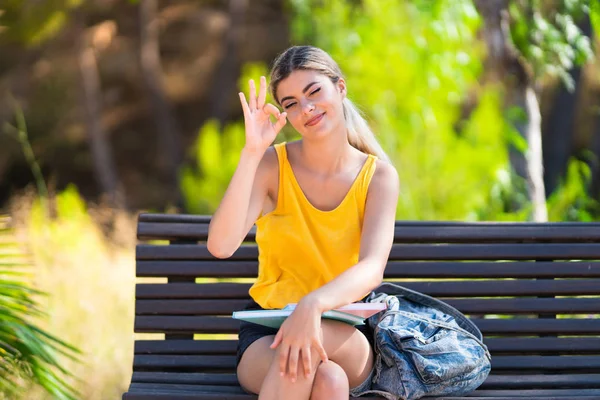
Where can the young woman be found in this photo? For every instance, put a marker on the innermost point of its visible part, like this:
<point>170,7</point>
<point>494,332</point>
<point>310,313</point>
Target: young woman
<point>324,208</point>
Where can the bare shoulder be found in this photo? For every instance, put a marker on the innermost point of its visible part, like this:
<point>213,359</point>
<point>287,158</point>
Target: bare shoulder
<point>385,179</point>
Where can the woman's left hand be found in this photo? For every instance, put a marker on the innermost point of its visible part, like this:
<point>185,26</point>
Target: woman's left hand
<point>297,336</point>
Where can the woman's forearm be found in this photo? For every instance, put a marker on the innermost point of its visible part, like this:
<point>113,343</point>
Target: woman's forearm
<point>348,287</point>
<point>227,227</point>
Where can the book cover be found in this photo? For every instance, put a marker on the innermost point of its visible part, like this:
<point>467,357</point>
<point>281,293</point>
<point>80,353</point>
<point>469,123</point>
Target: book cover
<point>274,318</point>
<point>364,310</point>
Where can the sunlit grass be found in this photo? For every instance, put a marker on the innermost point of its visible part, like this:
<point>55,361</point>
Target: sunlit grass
<point>88,272</point>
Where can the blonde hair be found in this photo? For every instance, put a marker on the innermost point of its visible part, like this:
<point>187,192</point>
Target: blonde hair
<point>312,58</point>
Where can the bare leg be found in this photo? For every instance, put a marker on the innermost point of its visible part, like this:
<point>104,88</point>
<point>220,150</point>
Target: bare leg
<point>331,383</point>
<point>345,346</point>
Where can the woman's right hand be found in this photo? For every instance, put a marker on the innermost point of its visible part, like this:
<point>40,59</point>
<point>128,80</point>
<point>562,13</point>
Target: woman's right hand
<point>260,131</point>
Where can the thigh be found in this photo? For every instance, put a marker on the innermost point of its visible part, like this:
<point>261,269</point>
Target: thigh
<point>254,364</point>
<point>345,345</point>
<point>350,349</point>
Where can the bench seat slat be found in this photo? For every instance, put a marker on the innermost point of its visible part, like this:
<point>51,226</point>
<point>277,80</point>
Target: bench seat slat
<point>181,388</point>
<point>577,345</point>
<point>467,306</point>
<point>394,269</point>
<point>516,326</point>
<point>484,288</point>
<point>499,363</point>
<point>492,382</point>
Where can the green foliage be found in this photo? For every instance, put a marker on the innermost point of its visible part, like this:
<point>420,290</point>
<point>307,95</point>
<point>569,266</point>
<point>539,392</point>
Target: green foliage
<point>412,67</point>
<point>31,23</point>
<point>27,353</point>
<point>410,77</point>
<point>547,35</point>
<point>217,152</point>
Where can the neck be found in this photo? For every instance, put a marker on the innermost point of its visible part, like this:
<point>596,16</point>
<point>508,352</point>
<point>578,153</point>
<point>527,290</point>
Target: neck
<point>327,154</point>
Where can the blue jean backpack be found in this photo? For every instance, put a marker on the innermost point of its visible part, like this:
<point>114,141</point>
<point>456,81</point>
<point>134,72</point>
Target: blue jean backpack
<point>424,347</point>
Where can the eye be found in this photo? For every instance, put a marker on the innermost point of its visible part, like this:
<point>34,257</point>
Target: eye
<point>315,91</point>
<point>288,105</point>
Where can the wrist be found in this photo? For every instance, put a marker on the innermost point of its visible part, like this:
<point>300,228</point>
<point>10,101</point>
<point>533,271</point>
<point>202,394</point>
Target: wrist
<point>313,302</point>
<point>253,153</point>
<point>251,156</point>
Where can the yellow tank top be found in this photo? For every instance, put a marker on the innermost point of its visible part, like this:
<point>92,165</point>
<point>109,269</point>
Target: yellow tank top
<point>300,247</point>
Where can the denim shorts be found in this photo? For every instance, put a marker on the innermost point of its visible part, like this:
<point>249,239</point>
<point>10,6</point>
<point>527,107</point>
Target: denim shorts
<point>250,332</point>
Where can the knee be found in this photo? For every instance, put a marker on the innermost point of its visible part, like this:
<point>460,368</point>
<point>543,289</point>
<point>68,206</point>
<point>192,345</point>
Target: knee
<point>330,382</point>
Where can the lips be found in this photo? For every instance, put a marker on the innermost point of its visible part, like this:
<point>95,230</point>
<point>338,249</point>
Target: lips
<point>315,120</point>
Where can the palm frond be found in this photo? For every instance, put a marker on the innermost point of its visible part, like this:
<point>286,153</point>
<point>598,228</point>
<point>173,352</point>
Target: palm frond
<point>27,353</point>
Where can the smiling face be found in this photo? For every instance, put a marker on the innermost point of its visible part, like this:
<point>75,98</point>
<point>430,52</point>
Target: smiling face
<point>312,101</point>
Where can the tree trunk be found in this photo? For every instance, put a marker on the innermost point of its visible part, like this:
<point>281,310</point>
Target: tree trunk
<point>223,89</point>
<point>104,165</point>
<point>504,64</point>
<point>169,137</point>
<point>559,128</point>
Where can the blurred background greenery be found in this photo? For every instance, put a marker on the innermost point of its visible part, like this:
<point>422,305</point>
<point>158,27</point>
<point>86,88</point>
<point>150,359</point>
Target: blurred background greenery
<point>487,108</point>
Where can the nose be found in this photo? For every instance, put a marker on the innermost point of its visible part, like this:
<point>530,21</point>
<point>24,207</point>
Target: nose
<point>308,107</point>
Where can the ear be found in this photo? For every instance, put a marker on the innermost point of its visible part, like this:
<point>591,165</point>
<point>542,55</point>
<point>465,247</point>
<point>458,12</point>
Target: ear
<point>341,85</point>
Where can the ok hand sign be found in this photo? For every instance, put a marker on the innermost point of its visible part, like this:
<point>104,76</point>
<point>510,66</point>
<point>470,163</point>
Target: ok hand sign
<point>260,131</point>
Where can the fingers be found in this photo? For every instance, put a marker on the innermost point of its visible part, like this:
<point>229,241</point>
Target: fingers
<point>280,122</point>
<point>277,340</point>
<point>293,363</point>
<point>244,104</point>
<point>306,360</point>
<point>271,109</point>
<point>252,95</point>
<point>262,93</point>
<point>321,351</point>
<point>283,360</point>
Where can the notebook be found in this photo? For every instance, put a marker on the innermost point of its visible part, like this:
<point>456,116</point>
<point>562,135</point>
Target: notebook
<point>353,314</point>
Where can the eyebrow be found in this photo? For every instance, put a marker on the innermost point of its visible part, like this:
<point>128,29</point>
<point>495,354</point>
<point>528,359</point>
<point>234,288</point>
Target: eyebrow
<point>303,91</point>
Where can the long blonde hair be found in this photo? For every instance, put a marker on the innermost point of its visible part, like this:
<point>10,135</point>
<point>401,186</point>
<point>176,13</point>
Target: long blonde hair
<point>360,134</point>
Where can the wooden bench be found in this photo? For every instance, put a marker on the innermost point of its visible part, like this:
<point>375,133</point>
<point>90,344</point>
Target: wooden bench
<point>533,289</point>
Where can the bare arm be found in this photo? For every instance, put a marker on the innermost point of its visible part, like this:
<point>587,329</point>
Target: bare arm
<point>376,242</point>
<point>242,203</point>
<point>247,191</point>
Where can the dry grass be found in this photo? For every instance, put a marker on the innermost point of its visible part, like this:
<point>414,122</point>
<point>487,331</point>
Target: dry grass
<point>84,260</point>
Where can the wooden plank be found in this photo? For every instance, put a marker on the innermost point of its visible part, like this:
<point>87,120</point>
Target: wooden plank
<point>209,269</point>
<point>174,218</point>
<point>193,218</point>
<point>407,252</point>
<point>184,347</point>
<point>189,307</point>
<point>196,363</point>
<point>563,381</point>
<point>589,381</point>
<point>495,251</point>
<point>153,226</point>
<point>516,306</point>
<point>190,252</point>
<point>573,287</point>
<point>166,362</point>
<point>509,327</point>
<point>546,363</point>
<point>177,388</point>
<point>185,378</point>
<point>579,345</point>
<point>521,326</point>
<point>395,269</point>
<point>404,234</point>
<point>523,346</point>
<point>527,306</point>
